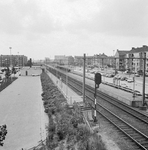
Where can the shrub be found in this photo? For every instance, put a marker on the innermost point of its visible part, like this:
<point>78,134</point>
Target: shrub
<point>66,125</point>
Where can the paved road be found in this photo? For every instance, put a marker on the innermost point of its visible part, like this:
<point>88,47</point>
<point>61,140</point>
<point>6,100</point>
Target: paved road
<point>21,108</point>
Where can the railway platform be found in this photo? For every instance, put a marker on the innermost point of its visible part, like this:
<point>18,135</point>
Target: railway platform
<point>122,95</point>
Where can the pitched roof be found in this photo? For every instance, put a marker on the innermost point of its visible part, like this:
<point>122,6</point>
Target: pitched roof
<point>102,55</point>
<point>122,52</point>
<point>139,49</point>
<point>144,48</point>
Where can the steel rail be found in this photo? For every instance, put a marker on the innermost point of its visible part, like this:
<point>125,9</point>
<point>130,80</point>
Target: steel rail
<point>133,136</point>
<point>123,126</point>
<point>130,110</point>
<point>117,103</point>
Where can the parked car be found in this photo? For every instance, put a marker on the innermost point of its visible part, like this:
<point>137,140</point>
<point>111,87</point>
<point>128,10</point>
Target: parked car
<point>130,80</point>
<point>137,75</point>
<point>117,76</point>
<point>146,74</point>
<point>123,78</point>
<point>111,75</point>
<point>124,85</point>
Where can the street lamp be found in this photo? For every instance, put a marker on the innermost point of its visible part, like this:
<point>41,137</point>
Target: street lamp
<point>113,52</point>
<point>18,59</point>
<point>10,57</point>
<point>1,60</point>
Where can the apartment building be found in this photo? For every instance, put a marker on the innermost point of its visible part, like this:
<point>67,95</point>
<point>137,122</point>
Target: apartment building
<point>134,61</point>
<point>12,60</point>
<point>120,59</point>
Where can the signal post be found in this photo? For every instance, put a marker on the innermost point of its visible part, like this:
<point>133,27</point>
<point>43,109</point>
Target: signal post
<point>98,80</point>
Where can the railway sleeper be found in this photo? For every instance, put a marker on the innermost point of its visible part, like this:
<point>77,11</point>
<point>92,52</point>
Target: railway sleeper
<point>133,144</point>
<point>129,131</point>
<point>134,134</point>
<point>138,137</point>
<point>143,141</point>
<point>125,127</point>
<point>145,145</point>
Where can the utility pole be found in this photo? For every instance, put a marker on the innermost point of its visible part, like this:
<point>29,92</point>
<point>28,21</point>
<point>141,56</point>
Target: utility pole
<point>143,93</point>
<point>134,86</point>
<point>115,66</point>
<point>84,59</point>
<point>1,61</point>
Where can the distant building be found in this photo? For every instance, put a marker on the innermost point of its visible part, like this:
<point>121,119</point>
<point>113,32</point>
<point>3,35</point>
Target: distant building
<point>64,60</point>
<point>47,60</point>
<point>136,64</point>
<point>78,60</point>
<point>120,59</point>
<point>101,60</point>
<point>126,60</point>
<point>12,60</point>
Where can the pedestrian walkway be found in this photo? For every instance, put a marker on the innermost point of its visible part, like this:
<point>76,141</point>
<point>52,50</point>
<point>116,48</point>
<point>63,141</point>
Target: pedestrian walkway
<point>34,71</point>
<point>69,94</point>
<point>21,109</point>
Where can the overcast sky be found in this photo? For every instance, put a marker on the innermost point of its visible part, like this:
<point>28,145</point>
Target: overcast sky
<point>44,28</point>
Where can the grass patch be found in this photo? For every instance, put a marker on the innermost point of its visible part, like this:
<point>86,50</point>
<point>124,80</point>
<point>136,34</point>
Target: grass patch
<point>6,82</point>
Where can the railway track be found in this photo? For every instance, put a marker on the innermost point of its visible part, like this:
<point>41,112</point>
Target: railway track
<point>137,114</point>
<point>139,139</point>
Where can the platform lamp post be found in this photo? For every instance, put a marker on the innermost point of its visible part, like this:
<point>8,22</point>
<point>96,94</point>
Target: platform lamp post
<point>98,80</point>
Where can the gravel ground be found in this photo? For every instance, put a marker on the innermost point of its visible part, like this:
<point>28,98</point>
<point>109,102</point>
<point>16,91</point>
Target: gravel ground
<point>115,140</point>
